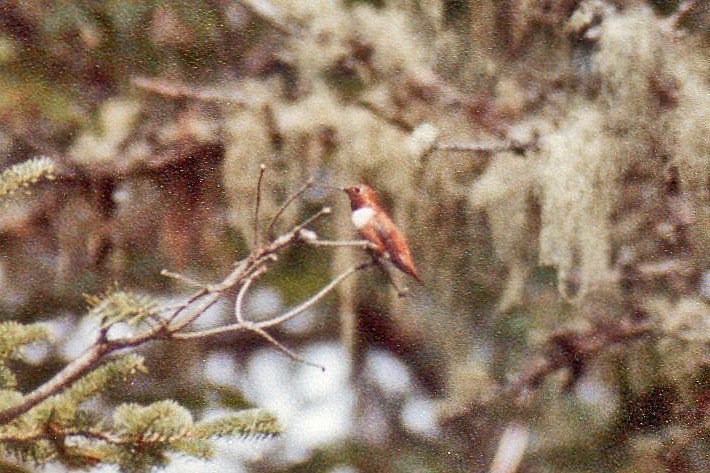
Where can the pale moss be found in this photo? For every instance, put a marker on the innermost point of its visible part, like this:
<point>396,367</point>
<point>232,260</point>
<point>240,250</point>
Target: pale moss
<point>689,134</point>
<point>578,185</point>
<point>23,175</point>
<point>422,140</point>
<point>630,54</point>
<point>504,191</point>
<point>687,318</point>
<point>324,42</point>
<point>117,118</point>
<point>397,48</point>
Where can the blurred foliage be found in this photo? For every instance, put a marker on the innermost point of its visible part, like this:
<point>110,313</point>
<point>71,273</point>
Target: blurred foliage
<point>547,255</point>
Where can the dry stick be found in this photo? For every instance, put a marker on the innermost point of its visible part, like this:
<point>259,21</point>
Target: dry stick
<point>304,188</point>
<point>319,295</point>
<point>377,261</point>
<point>262,169</point>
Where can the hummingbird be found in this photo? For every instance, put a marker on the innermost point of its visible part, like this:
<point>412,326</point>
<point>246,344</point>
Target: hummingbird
<point>374,225</point>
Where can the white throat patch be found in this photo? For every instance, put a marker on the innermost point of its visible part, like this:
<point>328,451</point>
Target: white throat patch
<point>362,216</point>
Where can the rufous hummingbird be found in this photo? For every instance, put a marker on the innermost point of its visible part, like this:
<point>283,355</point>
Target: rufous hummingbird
<point>374,225</point>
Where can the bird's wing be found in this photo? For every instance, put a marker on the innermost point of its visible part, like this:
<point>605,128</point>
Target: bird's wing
<point>369,233</point>
<point>392,239</point>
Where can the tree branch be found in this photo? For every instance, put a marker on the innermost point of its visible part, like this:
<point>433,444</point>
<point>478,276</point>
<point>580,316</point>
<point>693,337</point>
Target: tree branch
<point>570,349</point>
<point>184,314</point>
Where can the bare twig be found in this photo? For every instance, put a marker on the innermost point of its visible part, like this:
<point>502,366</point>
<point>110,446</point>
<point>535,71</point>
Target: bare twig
<point>182,278</point>
<point>242,292</point>
<point>274,219</point>
<point>265,324</point>
<point>313,299</point>
<point>262,169</point>
<point>291,354</point>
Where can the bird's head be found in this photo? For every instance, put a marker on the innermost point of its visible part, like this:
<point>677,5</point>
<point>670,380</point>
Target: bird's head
<point>361,195</point>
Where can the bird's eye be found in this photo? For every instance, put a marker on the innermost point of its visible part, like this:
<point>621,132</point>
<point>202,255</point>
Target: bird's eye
<point>357,189</point>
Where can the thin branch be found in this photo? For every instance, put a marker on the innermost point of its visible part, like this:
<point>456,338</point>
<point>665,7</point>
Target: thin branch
<point>394,120</point>
<point>568,347</point>
<point>262,169</point>
<point>485,147</point>
<point>280,346</point>
<point>275,218</point>
<point>265,324</point>
<point>182,278</point>
<point>243,290</point>
<point>340,243</point>
<point>307,304</point>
